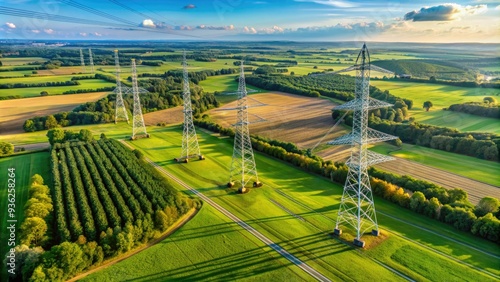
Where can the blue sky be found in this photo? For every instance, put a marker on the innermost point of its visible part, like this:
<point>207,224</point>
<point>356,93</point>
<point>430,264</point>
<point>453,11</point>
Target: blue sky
<point>301,20</point>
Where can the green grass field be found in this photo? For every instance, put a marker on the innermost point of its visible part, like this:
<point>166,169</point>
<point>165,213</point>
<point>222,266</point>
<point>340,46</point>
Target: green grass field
<point>35,91</point>
<point>441,96</point>
<point>308,239</point>
<point>223,83</point>
<point>25,166</point>
<point>39,79</point>
<point>473,168</point>
<point>460,121</point>
<point>208,248</point>
<point>19,61</point>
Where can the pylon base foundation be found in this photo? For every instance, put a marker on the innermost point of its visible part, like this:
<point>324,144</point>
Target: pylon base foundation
<point>139,137</point>
<point>337,232</point>
<point>359,243</point>
<point>186,159</point>
<point>257,184</point>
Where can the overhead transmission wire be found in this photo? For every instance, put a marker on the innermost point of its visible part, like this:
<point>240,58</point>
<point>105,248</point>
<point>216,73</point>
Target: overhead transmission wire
<point>116,2</point>
<point>329,131</point>
<point>52,17</point>
<point>96,12</point>
<point>45,16</point>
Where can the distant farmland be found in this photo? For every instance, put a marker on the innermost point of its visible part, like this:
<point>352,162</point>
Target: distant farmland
<point>12,116</point>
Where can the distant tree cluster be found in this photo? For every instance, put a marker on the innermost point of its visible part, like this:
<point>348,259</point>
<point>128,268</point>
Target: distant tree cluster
<point>58,135</point>
<point>439,69</point>
<point>491,110</point>
<point>6,148</point>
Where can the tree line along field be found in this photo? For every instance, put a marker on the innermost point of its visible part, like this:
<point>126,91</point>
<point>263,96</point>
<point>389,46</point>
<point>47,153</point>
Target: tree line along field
<point>25,166</point>
<point>308,210</point>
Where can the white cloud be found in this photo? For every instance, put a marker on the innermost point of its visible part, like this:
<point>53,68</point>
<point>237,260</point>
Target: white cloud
<point>10,25</point>
<point>48,31</point>
<point>444,12</point>
<point>210,27</point>
<point>84,34</point>
<point>147,23</point>
<point>97,34</point>
<point>497,8</point>
<point>35,31</point>
<point>274,29</point>
<point>251,30</point>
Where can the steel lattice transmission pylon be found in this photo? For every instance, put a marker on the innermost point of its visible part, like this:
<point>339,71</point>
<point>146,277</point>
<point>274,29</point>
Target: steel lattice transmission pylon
<point>138,126</point>
<point>243,170</point>
<point>82,61</point>
<point>120,111</point>
<point>190,146</point>
<point>91,60</point>
<point>357,209</point>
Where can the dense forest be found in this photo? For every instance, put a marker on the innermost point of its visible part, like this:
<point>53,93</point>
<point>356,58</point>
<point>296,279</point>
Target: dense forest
<point>105,201</point>
<point>443,70</point>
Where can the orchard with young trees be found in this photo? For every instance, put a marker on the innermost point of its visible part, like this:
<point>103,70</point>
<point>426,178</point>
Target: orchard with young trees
<point>105,200</point>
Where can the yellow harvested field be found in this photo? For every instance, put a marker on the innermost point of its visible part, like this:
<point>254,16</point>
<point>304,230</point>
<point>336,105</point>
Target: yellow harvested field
<point>64,71</point>
<point>14,112</point>
<point>291,118</point>
<point>168,116</point>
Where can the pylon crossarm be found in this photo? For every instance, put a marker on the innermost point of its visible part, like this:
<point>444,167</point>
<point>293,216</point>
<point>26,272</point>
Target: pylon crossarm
<point>357,103</point>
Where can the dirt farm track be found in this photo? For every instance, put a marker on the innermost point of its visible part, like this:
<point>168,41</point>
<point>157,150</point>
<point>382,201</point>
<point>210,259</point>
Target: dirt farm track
<point>305,121</point>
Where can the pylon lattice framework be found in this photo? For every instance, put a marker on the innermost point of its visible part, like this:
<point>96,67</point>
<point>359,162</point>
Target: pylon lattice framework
<point>91,60</point>
<point>243,169</point>
<point>82,61</point>
<point>120,111</point>
<point>138,126</point>
<point>357,208</point>
<point>190,146</point>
